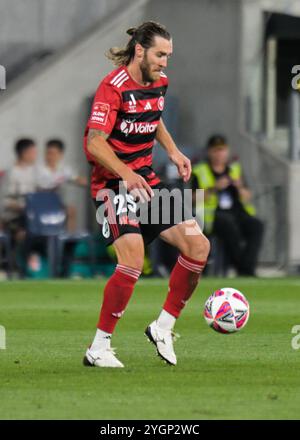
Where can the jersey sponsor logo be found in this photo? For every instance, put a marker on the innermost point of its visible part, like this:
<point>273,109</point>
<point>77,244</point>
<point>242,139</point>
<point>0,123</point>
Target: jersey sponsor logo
<point>100,112</point>
<point>128,126</point>
<point>161,103</point>
<point>148,106</point>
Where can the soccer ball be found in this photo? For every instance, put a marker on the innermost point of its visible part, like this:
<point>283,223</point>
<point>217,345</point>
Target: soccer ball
<point>226,310</point>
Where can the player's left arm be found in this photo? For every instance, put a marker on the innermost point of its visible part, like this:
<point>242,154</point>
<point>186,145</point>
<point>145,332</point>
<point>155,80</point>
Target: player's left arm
<point>182,162</point>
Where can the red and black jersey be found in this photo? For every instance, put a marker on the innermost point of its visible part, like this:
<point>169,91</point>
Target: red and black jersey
<point>129,113</point>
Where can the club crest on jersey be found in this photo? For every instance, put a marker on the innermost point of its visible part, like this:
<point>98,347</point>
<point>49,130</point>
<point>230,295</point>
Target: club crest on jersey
<point>161,103</point>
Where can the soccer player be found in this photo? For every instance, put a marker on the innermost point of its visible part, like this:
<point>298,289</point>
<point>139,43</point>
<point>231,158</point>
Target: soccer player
<point>125,120</point>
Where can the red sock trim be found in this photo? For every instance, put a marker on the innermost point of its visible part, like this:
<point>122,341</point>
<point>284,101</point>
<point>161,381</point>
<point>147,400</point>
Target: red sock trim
<point>191,260</point>
<point>191,264</point>
<point>128,271</point>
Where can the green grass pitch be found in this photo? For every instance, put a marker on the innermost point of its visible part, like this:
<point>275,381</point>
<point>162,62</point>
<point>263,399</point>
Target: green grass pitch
<point>253,374</point>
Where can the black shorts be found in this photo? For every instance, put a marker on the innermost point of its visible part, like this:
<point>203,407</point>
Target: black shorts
<point>119,214</point>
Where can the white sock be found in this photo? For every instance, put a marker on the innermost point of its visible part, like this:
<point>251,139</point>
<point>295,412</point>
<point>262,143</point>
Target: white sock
<point>101,340</point>
<point>165,320</point>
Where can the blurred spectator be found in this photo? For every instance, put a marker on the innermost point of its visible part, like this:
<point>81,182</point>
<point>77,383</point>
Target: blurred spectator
<point>20,180</point>
<point>228,213</point>
<point>55,174</point>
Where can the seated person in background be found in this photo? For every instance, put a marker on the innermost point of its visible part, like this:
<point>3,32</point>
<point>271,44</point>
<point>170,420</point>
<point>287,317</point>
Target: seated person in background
<point>54,174</point>
<point>19,181</point>
<point>228,213</point>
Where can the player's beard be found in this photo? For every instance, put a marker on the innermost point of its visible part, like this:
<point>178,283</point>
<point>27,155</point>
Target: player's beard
<point>146,71</point>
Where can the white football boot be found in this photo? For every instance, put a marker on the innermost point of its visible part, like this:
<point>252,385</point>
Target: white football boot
<point>163,340</point>
<point>104,357</point>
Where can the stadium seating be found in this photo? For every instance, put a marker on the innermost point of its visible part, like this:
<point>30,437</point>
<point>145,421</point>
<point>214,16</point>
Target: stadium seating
<point>64,238</point>
<point>46,217</point>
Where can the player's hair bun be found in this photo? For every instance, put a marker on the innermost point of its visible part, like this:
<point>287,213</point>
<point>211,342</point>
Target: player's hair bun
<point>131,31</point>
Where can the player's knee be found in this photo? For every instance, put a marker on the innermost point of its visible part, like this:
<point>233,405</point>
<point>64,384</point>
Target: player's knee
<point>132,259</point>
<point>198,248</point>
<point>131,253</point>
<point>203,247</point>
<point>136,261</point>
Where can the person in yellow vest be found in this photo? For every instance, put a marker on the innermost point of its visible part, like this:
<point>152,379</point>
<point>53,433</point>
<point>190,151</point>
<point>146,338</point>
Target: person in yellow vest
<point>228,211</point>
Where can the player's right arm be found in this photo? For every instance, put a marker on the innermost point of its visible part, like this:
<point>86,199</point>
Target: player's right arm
<point>100,149</point>
<point>102,153</point>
